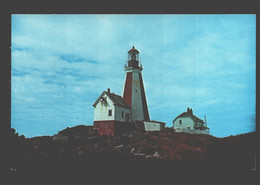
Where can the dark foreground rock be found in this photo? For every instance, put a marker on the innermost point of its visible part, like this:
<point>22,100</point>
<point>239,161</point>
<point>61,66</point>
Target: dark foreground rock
<point>79,155</point>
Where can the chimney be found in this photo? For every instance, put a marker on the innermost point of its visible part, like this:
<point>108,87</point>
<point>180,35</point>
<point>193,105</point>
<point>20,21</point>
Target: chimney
<point>108,90</point>
<point>189,111</point>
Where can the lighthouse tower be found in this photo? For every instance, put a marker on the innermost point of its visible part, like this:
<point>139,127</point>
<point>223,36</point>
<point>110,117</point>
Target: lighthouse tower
<point>133,92</point>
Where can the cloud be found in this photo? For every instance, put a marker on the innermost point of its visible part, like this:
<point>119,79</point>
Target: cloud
<point>19,73</point>
<point>55,83</point>
<point>27,49</point>
<point>74,58</point>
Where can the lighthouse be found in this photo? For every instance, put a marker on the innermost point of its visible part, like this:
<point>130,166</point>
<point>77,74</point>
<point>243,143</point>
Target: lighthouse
<point>113,113</point>
<point>133,92</point>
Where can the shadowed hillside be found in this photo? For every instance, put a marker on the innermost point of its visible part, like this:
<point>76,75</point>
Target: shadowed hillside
<point>78,155</point>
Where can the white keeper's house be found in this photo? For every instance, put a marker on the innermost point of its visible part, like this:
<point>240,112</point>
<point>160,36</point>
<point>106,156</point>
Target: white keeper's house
<point>110,109</point>
<point>189,123</point>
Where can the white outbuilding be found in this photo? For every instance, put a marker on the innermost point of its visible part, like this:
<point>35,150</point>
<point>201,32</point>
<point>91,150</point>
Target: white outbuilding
<point>153,125</point>
<point>189,123</point>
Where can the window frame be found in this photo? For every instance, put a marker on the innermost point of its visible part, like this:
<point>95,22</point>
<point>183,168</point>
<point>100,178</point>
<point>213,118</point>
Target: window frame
<point>110,112</point>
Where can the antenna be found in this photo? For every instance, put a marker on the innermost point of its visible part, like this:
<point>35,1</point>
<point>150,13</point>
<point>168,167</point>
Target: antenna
<point>205,120</point>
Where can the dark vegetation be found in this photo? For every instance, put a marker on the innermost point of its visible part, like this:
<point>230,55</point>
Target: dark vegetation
<point>78,155</point>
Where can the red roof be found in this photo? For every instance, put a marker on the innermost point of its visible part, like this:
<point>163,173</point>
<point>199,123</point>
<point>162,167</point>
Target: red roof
<point>193,117</point>
<point>133,50</point>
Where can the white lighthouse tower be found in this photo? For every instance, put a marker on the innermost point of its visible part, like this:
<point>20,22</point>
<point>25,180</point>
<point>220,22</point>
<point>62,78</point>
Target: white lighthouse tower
<point>133,92</point>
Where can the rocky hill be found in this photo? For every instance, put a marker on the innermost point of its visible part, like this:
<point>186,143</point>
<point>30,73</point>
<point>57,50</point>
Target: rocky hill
<point>78,155</point>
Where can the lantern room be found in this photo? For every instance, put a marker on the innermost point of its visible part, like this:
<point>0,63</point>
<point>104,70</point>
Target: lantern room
<point>133,54</point>
<point>133,59</point>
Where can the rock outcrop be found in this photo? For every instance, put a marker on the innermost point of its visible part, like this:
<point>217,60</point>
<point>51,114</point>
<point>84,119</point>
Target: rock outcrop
<point>78,155</point>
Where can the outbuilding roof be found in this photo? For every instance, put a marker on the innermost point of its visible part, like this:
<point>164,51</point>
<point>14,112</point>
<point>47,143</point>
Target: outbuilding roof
<point>153,121</point>
<point>116,99</point>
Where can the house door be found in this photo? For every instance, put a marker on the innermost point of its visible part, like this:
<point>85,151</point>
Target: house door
<point>127,117</point>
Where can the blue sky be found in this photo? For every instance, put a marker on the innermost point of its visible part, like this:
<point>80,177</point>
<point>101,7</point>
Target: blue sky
<point>62,63</point>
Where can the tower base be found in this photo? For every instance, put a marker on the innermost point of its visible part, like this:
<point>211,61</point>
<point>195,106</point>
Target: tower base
<point>111,127</point>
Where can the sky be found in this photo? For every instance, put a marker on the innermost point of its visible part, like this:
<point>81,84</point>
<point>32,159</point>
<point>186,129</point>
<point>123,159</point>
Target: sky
<point>60,64</point>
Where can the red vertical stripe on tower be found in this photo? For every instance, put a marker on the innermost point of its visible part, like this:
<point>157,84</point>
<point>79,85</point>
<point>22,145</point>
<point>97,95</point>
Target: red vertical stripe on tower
<point>145,108</point>
<point>128,89</point>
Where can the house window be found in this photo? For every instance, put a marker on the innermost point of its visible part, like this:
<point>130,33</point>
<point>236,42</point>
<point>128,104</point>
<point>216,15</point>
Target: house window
<point>122,114</point>
<point>109,112</point>
<point>180,121</point>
